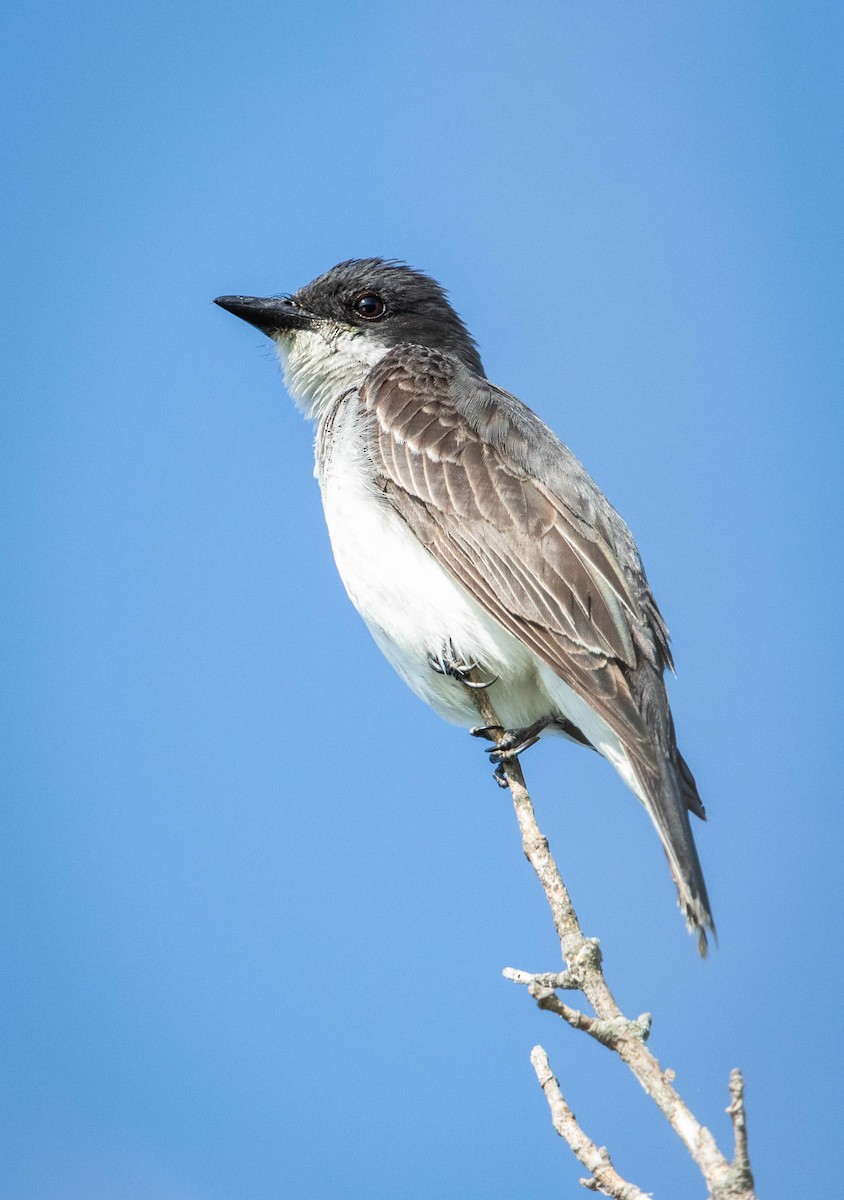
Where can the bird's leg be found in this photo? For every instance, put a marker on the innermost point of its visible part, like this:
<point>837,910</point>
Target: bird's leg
<point>447,662</point>
<point>515,741</point>
<point>511,742</point>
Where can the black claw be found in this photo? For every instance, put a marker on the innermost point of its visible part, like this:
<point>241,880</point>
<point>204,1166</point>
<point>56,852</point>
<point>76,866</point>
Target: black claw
<point>447,663</point>
<point>461,668</point>
<point>503,753</point>
<point>479,686</point>
<point>516,741</point>
<point>499,776</point>
<point>490,732</point>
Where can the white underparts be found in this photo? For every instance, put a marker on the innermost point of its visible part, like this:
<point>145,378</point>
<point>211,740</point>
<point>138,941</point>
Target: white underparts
<point>412,606</point>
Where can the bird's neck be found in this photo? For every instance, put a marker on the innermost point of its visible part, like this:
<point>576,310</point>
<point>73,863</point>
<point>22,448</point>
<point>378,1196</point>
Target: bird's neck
<point>320,366</point>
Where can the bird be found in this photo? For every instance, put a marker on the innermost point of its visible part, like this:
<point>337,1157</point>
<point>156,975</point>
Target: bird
<point>474,544</point>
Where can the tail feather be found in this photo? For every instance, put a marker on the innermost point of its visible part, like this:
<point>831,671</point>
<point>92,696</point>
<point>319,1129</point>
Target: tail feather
<point>666,794</point>
<point>669,792</point>
<point>690,793</point>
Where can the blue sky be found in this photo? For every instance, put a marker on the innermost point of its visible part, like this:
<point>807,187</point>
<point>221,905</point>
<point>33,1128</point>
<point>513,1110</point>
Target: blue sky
<point>256,899</point>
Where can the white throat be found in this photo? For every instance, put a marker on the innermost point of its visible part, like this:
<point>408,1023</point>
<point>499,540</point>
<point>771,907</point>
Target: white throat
<point>325,363</point>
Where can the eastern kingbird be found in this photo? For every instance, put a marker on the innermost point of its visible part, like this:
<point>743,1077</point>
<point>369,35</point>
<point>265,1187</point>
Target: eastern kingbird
<point>467,535</point>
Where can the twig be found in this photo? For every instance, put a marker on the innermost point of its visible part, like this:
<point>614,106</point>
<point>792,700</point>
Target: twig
<point>604,1177</point>
<point>584,972</point>
<point>741,1162</point>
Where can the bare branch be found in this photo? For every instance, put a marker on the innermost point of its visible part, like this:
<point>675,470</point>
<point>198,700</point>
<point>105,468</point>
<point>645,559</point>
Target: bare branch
<point>741,1162</point>
<point>560,980</point>
<point>604,1177</point>
<point>609,1026</point>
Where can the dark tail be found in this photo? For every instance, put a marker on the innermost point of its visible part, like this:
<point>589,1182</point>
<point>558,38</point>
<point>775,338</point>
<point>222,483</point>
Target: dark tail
<point>670,793</point>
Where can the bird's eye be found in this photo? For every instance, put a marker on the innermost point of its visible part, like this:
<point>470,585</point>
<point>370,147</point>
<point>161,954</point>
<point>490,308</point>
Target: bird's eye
<point>369,305</point>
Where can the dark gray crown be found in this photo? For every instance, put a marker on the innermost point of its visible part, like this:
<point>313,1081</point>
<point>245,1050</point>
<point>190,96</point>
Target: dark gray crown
<point>417,309</point>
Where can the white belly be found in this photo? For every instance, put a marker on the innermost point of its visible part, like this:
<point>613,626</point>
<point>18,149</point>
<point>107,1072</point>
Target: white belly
<point>410,604</point>
<point>413,608</point>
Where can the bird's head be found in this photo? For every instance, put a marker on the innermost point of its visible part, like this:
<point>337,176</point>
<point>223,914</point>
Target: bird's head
<point>331,332</point>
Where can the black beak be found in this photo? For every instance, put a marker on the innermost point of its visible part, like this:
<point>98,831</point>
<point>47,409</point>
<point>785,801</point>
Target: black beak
<point>270,316</point>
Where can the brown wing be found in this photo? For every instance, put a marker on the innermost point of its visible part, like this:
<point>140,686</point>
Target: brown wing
<point>529,555</point>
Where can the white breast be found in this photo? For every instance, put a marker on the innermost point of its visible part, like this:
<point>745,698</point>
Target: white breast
<point>410,604</point>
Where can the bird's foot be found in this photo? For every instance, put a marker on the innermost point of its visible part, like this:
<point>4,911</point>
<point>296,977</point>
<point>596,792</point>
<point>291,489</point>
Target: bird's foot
<point>448,662</point>
<point>514,741</point>
<point>499,776</point>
